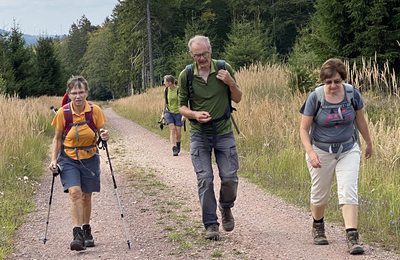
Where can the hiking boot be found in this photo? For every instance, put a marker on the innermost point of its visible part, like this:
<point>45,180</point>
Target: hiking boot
<point>212,232</point>
<point>352,242</point>
<point>228,222</point>
<point>318,233</point>
<point>178,145</point>
<point>175,151</point>
<point>89,241</point>
<point>78,243</point>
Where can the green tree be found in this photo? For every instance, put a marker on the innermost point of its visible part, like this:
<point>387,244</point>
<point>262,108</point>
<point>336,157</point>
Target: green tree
<point>96,63</point>
<point>20,59</point>
<point>47,69</point>
<point>76,44</point>
<point>247,45</point>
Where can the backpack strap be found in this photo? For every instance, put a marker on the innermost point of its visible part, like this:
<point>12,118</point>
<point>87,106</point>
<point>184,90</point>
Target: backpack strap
<point>166,98</point>
<point>321,103</point>
<point>69,121</point>
<point>189,83</point>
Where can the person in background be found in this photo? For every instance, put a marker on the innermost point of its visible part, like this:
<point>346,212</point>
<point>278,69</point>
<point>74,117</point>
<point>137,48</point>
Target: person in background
<point>171,114</point>
<point>328,132</point>
<point>75,156</point>
<point>209,112</point>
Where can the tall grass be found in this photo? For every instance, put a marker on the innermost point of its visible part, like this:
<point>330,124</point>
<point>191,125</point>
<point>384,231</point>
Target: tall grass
<point>272,156</point>
<point>23,149</point>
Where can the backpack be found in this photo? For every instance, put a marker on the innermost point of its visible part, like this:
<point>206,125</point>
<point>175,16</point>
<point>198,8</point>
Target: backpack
<point>189,85</point>
<point>321,104</point>
<point>319,91</point>
<point>69,123</point>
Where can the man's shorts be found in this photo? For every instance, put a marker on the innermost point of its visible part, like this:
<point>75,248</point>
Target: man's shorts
<point>83,173</point>
<point>172,118</point>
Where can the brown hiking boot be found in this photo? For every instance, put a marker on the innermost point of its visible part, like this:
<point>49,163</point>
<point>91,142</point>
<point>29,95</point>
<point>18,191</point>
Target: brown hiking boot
<point>318,233</point>
<point>352,242</point>
<point>228,222</point>
<point>212,232</point>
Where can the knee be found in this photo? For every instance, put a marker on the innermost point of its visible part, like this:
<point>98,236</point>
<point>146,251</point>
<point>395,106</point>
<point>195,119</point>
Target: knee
<point>229,181</point>
<point>86,196</point>
<point>75,194</point>
<point>205,183</point>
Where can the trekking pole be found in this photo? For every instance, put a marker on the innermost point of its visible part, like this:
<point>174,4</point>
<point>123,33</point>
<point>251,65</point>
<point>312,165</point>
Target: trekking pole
<point>116,194</point>
<point>235,125</point>
<point>51,198</point>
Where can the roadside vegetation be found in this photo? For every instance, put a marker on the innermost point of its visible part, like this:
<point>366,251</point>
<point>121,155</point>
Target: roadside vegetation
<point>271,154</point>
<point>25,139</point>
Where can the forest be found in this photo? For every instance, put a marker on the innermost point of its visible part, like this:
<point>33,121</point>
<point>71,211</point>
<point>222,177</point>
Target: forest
<point>143,40</point>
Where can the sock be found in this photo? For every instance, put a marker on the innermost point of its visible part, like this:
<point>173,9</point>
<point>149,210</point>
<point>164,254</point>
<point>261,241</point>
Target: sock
<point>319,221</point>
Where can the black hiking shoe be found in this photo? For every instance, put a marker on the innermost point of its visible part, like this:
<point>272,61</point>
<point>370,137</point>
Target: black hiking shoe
<point>175,151</point>
<point>318,233</point>
<point>78,243</point>
<point>212,232</point>
<point>352,242</point>
<point>228,222</point>
<point>178,144</point>
<point>89,241</point>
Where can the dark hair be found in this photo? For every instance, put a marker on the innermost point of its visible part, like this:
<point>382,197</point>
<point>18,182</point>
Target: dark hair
<point>331,67</point>
<point>78,81</point>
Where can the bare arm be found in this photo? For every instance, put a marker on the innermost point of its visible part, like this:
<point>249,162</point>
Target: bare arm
<point>363,128</point>
<point>305,126</point>
<point>55,150</point>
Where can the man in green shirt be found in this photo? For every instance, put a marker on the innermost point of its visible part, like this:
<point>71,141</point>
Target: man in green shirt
<point>209,109</point>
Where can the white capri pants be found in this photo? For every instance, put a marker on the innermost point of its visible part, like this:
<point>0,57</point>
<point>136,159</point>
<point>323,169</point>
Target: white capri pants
<point>346,167</point>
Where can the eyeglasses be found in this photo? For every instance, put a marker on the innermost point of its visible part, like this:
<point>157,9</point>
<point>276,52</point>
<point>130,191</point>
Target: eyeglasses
<point>77,93</point>
<point>199,55</point>
<point>336,81</point>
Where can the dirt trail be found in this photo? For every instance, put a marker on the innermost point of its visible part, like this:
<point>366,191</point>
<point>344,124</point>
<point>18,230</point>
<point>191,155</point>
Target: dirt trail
<point>266,227</point>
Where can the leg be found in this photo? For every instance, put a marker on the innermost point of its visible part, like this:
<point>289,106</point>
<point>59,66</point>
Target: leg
<point>347,179</point>
<point>172,134</point>
<point>200,150</point>
<point>90,178</point>
<point>87,206</point>
<point>76,208</point>
<point>321,180</point>
<point>76,201</point>
<point>228,165</point>
<point>178,134</point>
<point>227,161</point>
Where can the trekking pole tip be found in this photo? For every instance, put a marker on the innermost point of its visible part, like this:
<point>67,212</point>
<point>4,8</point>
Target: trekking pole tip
<point>129,244</point>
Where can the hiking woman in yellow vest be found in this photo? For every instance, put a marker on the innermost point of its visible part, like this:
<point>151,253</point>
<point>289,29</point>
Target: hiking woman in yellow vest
<point>171,113</point>
<point>331,118</point>
<point>75,156</point>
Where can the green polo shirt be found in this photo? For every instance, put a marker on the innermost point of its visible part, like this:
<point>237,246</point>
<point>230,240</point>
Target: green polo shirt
<point>211,96</point>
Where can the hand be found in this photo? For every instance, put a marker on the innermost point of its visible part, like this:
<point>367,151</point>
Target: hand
<point>54,168</point>
<point>202,116</point>
<point>314,160</point>
<point>104,134</point>
<point>368,151</point>
<point>226,77</point>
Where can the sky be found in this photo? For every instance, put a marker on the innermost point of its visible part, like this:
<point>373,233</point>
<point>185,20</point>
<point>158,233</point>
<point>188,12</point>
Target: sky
<point>52,17</point>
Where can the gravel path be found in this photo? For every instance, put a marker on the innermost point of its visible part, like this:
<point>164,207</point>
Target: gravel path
<point>159,198</point>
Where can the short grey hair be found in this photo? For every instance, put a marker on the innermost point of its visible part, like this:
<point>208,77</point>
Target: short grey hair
<point>200,38</point>
<point>78,81</point>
